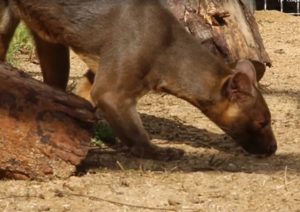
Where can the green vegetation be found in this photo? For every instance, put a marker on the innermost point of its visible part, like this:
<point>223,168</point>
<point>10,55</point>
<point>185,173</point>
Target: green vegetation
<point>103,134</point>
<point>21,43</point>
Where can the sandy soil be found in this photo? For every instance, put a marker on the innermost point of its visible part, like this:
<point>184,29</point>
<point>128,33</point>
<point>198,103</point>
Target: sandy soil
<point>214,175</point>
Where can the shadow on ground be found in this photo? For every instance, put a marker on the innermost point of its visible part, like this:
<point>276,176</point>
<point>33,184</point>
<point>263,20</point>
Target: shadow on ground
<point>285,92</point>
<point>176,132</point>
<point>207,152</point>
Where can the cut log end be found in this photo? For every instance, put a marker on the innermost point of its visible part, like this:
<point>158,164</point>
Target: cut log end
<point>43,132</point>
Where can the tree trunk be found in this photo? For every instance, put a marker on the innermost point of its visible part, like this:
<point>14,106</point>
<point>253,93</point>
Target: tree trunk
<point>227,28</point>
<point>43,131</point>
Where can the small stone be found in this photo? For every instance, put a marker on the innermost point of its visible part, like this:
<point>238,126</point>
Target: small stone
<point>174,201</point>
<point>44,208</point>
<point>58,193</point>
<point>66,207</point>
<point>279,51</point>
<point>125,184</point>
<point>41,196</point>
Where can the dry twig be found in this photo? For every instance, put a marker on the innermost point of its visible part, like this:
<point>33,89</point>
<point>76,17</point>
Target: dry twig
<point>93,198</point>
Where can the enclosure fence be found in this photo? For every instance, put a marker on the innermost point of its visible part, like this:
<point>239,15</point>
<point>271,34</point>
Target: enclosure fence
<point>297,5</point>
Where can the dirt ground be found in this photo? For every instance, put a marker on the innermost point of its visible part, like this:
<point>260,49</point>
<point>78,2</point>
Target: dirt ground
<point>214,175</point>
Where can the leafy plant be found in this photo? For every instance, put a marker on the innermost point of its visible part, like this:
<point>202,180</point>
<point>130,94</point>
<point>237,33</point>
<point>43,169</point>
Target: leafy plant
<point>103,134</point>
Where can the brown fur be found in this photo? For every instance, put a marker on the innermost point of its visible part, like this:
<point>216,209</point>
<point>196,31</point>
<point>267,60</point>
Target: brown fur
<point>8,24</point>
<point>142,48</point>
<point>84,86</point>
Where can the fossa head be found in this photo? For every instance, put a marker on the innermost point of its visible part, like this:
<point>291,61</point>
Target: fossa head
<point>243,113</point>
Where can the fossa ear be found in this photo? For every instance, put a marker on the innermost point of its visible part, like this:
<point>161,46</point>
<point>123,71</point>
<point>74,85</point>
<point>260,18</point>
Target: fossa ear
<point>241,84</point>
<point>246,67</point>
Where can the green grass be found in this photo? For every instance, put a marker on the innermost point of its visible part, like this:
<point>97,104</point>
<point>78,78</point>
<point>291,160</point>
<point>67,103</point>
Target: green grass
<point>21,43</point>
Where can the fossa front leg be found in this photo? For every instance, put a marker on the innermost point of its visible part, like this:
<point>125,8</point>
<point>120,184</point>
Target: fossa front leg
<point>119,109</point>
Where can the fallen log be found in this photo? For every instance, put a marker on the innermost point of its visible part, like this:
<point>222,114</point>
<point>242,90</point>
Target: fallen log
<point>226,28</point>
<point>43,131</point>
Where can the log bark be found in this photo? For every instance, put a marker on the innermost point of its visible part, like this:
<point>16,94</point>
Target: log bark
<point>43,131</point>
<point>227,28</point>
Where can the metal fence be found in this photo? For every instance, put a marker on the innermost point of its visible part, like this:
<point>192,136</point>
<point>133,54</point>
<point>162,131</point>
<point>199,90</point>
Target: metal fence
<point>282,6</point>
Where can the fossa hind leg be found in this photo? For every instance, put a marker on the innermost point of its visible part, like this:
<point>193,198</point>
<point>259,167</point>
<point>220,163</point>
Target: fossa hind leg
<point>8,25</point>
<point>116,96</point>
<point>54,61</point>
<point>84,86</point>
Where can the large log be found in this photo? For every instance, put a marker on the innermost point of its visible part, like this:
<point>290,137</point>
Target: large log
<point>43,131</point>
<point>227,28</point>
